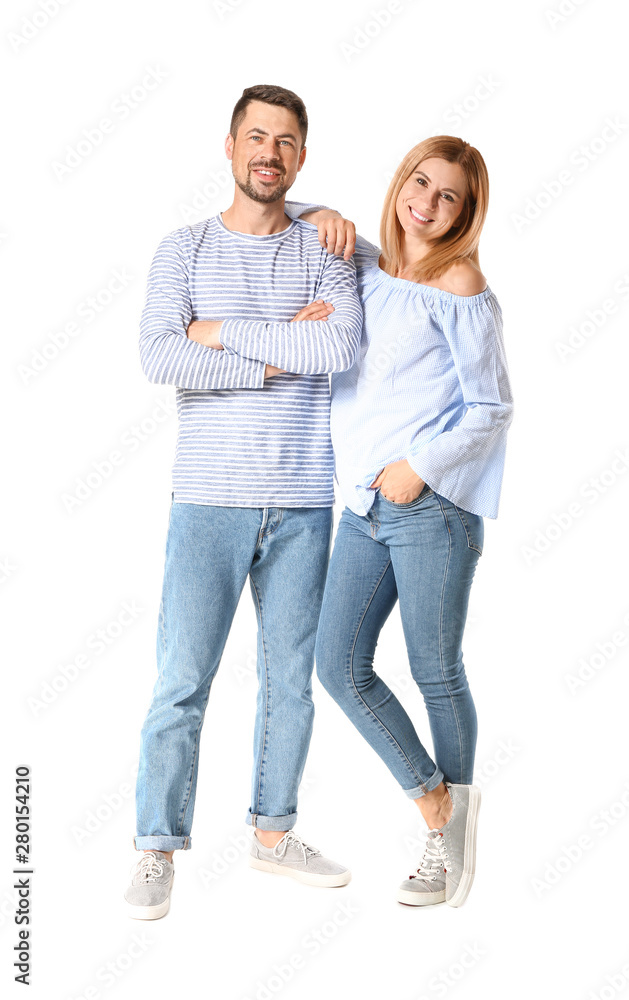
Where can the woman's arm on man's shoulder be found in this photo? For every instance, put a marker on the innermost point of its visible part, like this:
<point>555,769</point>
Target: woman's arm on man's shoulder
<point>336,234</point>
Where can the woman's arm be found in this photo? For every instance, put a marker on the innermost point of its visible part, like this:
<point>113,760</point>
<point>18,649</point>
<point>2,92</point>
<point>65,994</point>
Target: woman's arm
<point>458,460</point>
<point>336,234</point>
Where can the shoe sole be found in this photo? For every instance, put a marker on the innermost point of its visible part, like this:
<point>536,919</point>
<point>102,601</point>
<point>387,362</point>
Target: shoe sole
<point>326,881</point>
<point>149,912</point>
<point>412,898</point>
<point>469,853</point>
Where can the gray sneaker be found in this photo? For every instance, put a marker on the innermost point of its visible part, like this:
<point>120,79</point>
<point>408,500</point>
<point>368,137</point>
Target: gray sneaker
<point>428,885</point>
<point>291,856</point>
<point>148,896</point>
<point>457,843</point>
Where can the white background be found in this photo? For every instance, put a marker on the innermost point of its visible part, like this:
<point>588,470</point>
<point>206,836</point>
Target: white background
<point>549,595</point>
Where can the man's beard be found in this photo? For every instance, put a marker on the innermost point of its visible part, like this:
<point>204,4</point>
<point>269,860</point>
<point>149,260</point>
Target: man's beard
<point>260,196</point>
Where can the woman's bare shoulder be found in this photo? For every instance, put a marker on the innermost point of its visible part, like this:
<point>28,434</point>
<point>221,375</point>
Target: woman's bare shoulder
<point>463,278</point>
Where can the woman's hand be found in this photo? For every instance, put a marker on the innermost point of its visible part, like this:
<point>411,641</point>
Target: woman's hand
<point>336,235</point>
<point>206,332</point>
<point>399,483</point>
<point>335,232</point>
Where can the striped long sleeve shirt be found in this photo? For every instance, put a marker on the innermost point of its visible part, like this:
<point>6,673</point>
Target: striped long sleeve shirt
<point>243,441</point>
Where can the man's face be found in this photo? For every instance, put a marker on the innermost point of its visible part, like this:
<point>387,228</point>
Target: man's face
<point>266,154</point>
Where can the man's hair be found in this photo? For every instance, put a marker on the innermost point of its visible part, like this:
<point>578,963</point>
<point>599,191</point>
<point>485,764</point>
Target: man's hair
<point>270,95</point>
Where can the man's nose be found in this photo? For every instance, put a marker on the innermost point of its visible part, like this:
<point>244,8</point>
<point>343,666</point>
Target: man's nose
<point>270,151</point>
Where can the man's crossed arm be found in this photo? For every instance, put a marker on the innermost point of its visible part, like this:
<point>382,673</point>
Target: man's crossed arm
<point>241,353</point>
<point>208,332</point>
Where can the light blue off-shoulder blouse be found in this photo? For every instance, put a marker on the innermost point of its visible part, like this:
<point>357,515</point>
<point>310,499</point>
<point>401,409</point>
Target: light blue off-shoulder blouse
<point>430,385</point>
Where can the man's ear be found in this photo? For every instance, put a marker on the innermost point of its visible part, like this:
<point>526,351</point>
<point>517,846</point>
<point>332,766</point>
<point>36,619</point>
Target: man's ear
<point>302,157</point>
<point>229,146</point>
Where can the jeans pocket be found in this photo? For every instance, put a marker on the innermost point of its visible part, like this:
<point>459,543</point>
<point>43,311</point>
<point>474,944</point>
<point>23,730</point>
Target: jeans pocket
<point>474,527</point>
<point>401,506</point>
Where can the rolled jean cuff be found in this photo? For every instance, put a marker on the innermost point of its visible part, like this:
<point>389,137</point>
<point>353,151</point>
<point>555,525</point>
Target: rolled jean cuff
<point>272,822</point>
<point>162,842</point>
<point>429,786</point>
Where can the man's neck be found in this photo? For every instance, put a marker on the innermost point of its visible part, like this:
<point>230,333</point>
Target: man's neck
<point>257,218</point>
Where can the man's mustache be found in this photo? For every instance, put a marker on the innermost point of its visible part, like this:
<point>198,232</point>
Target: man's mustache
<point>267,166</point>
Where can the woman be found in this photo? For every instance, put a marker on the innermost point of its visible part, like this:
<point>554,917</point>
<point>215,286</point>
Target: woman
<point>418,427</point>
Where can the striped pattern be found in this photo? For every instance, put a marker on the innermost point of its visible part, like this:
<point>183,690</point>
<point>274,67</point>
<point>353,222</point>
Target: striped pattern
<point>244,441</point>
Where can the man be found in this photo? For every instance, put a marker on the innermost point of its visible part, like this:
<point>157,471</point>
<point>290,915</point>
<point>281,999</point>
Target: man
<point>232,320</point>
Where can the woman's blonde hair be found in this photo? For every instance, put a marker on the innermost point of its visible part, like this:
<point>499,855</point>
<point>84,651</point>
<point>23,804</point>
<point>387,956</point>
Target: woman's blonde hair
<point>461,241</point>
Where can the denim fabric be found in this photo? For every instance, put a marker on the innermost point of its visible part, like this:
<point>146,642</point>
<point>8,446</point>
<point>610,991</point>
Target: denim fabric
<point>210,551</point>
<point>424,554</point>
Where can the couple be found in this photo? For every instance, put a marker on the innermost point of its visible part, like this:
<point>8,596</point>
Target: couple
<point>246,314</point>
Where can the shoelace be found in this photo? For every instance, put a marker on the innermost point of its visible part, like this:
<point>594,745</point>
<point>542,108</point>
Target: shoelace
<point>149,868</point>
<point>292,837</point>
<point>434,858</point>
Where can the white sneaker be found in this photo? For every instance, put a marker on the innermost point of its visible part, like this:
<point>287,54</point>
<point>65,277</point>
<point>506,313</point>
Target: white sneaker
<point>458,842</point>
<point>291,856</point>
<point>148,896</point>
<point>428,884</point>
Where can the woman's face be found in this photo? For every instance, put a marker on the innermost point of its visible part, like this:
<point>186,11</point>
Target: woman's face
<point>431,200</point>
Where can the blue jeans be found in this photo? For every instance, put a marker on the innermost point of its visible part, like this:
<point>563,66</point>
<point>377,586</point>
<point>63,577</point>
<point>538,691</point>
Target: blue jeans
<point>210,551</point>
<point>424,554</point>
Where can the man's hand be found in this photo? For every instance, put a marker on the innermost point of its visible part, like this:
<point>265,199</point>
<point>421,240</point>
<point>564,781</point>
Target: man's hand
<point>206,332</point>
<point>399,483</point>
<point>316,310</point>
